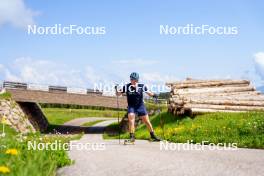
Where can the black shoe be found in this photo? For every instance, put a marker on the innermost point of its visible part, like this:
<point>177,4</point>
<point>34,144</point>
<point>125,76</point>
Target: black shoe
<point>132,137</point>
<point>154,138</point>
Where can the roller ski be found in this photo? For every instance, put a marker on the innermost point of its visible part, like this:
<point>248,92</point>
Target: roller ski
<point>154,138</point>
<point>130,141</point>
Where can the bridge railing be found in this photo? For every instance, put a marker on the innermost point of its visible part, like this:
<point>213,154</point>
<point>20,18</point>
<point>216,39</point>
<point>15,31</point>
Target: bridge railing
<point>1,85</point>
<point>57,89</point>
<point>46,88</point>
<point>38,87</point>
<point>14,85</point>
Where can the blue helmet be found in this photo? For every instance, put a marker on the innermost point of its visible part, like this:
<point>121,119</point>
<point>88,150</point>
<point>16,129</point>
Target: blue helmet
<point>134,76</point>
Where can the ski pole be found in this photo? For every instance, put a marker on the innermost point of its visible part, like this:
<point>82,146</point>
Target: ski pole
<point>117,102</point>
<point>161,119</point>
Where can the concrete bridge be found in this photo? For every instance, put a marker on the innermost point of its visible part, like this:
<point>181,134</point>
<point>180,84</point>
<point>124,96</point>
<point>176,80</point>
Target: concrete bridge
<point>27,98</point>
<point>35,96</point>
<point>22,92</point>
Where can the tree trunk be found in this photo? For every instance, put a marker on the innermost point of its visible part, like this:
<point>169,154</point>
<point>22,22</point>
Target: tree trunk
<point>212,82</point>
<point>227,102</point>
<point>223,107</point>
<point>223,98</point>
<point>209,84</point>
<point>213,94</point>
<point>213,90</point>
<point>199,110</point>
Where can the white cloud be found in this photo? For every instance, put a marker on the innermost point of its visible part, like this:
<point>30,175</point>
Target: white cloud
<point>6,75</point>
<point>47,72</point>
<point>16,13</point>
<point>91,75</point>
<point>26,69</point>
<point>157,78</point>
<point>139,62</point>
<point>2,68</point>
<point>259,64</point>
<point>2,72</point>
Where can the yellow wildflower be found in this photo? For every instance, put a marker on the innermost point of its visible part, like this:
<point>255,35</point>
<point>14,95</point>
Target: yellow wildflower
<point>193,127</point>
<point>4,170</point>
<point>179,129</point>
<point>4,120</point>
<point>12,151</point>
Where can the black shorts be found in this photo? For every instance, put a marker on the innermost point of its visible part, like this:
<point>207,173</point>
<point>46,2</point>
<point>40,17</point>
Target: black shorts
<point>140,110</point>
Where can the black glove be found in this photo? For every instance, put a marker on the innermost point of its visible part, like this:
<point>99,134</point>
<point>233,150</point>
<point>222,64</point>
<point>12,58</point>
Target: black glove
<point>155,96</point>
<point>116,88</point>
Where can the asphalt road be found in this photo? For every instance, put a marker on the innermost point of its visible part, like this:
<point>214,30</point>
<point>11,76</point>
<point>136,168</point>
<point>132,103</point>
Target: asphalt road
<point>147,159</point>
<point>80,121</point>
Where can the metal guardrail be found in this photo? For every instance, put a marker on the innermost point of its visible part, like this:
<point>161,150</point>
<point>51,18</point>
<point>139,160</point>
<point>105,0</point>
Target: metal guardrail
<point>1,86</point>
<point>14,85</point>
<point>63,89</point>
<point>57,88</point>
<point>89,91</point>
<point>25,86</point>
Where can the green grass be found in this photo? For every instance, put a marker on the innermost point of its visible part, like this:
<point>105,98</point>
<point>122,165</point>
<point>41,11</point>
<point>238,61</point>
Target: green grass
<point>88,124</point>
<point>59,116</point>
<point>74,106</point>
<point>32,162</point>
<point>245,129</point>
<point>154,106</point>
<point>8,130</point>
<point>6,95</point>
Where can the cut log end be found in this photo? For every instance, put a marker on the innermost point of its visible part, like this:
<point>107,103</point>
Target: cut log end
<point>202,96</point>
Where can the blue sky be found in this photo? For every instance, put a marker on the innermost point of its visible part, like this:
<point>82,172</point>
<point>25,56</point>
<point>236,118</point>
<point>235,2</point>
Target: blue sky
<point>132,41</point>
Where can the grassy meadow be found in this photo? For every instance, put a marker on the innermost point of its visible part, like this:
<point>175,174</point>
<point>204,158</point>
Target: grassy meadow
<point>59,116</point>
<point>18,160</point>
<point>245,129</point>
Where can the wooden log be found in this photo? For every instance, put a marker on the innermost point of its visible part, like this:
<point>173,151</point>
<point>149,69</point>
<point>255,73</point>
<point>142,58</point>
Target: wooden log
<point>179,102</point>
<point>213,90</point>
<point>240,94</point>
<point>199,110</point>
<point>208,81</point>
<point>227,102</point>
<point>227,98</point>
<point>214,96</point>
<point>245,98</point>
<point>224,107</point>
<point>209,84</point>
<point>230,97</point>
<point>172,105</point>
<point>206,94</point>
<point>220,102</point>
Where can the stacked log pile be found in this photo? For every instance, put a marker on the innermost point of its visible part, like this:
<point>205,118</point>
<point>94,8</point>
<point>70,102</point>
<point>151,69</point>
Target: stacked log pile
<point>198,96</point>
